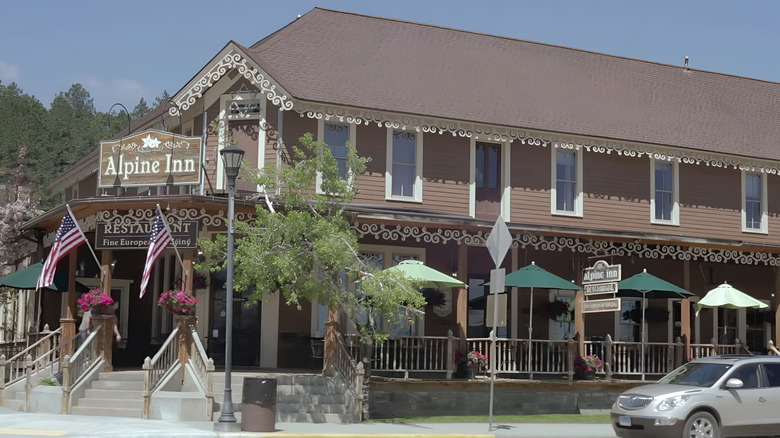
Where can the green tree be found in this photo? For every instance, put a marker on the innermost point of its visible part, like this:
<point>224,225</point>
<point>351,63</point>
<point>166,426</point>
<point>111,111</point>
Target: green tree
<point>162,99</point>
<point>22,122</point>
<point>74,127</point>
<point>301,243</point>
<point>140,110</point>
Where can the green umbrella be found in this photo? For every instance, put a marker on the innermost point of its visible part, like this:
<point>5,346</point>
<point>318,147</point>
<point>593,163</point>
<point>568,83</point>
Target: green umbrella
<point>730,297</point>
<point>646,285</point>
<point>533,276</point>
<point>429,277</point>
<point>27,278</point>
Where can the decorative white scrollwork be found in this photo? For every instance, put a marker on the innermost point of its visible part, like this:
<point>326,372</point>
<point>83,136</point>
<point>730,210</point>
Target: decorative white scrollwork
<point>525,240</point>
<point>233,59</point>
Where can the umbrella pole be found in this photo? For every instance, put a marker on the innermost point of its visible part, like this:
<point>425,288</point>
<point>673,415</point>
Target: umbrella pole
<point>530,333</point>
<point>644,306</point>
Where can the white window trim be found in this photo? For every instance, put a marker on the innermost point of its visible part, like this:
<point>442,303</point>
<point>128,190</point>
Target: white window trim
<point>417,195</point>
<point>675,216</point>
<point>578,208</point>
<point>225,117</point>
<point>506,161</point>
<point>321,138</point>
<point>764,228</point>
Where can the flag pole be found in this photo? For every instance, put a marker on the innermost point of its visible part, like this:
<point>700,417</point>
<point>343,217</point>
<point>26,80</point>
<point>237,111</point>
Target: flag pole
<point>173,242</point>
<point>102,271</point>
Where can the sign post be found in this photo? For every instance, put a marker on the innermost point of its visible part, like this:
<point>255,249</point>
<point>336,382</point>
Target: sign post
<point>498,243</point>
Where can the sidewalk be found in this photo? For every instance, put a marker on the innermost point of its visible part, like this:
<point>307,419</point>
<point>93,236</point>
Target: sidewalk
<point>20,424</point>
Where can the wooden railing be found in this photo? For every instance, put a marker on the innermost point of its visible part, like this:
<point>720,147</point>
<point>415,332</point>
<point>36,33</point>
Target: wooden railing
<point>43,354</point>
<point>75,368</point>
<point>203,367</point>
<point>352,372</point>
<point>158,367</point>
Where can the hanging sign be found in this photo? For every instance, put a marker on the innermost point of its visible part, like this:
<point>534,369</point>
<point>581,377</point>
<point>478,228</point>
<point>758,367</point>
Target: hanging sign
<point>601,272</point>
<point>135,235</point>
<point>150,158</point>
<point>608,305</point>
<point>601,288</point>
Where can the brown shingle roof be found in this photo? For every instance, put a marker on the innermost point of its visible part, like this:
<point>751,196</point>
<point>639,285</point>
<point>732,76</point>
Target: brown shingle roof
<point>399,66</point>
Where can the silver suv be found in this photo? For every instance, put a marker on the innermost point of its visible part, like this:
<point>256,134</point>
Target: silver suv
<point>717,396</point>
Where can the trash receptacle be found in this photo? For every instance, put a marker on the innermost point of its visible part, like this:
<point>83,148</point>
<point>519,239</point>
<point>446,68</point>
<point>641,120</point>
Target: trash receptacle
<point>258,405</point>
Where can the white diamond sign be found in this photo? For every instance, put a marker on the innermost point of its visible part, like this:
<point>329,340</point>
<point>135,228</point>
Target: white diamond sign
<point>499,241</point>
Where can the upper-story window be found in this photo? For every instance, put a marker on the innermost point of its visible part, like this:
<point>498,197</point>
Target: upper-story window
<point>754,208</point>
<point>664,193</point>
<point>335,136</point>
<point>404,165</point>
<point>566,190</point>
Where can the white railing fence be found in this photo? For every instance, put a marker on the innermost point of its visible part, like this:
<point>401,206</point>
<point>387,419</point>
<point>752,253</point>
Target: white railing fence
<point>158,367</point>
<point>75,368</point>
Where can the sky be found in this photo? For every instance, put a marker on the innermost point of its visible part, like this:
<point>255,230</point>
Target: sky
<point>124,51</point>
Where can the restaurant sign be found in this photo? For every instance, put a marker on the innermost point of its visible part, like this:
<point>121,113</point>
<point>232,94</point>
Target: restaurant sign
<point>595,306</point>
<point>135,235</point>
<point>601,272</point>
<point>150,158</point>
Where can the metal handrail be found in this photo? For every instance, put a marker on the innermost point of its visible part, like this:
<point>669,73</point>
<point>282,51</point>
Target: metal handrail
<point>77,367</point>
<point>158,367</point>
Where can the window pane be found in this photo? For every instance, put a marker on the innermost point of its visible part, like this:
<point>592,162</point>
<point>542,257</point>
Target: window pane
<point>565,196</point>
<point>403,147</point>
<point>403,180</point>
<point>753,187</point>
<point>566,182</point>
<point>663,206</point>
<point>480,166</point>
<point>336,137</point>
<point>663,176</point>
<point>493,167</point>
<point>565,165</point>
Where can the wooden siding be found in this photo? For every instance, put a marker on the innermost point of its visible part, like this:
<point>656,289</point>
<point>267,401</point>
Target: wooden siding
<point>372,142</point>
<point>446,173</point>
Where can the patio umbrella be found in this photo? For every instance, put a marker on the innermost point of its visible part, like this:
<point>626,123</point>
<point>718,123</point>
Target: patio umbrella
<point>730,297</point>
<point>428,276</point>
<point>28,277</point>
<point>533,276</point>
<point>646,285</point>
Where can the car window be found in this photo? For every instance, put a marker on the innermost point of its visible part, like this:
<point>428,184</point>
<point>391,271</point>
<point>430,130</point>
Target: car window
<point>772,374</point>
<point>696,374</point>
<point>748,374</point>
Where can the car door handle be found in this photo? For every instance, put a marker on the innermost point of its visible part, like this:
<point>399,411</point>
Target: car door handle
<point>762,399</point>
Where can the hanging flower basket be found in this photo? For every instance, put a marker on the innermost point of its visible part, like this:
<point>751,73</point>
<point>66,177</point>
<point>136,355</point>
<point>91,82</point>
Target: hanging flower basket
<point>434,297</point>
<point>97,302</point>
<point>179,302</point>
<point>652,315</point>
<point>557,309</point>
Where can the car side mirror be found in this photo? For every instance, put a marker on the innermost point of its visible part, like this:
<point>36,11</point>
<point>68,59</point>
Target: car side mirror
<point>734,383</point>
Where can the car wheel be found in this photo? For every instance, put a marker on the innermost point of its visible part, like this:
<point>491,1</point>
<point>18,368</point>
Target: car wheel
<point>701,425</point>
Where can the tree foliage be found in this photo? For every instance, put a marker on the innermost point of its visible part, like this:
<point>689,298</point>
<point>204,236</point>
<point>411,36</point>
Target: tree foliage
<point>301,243</point>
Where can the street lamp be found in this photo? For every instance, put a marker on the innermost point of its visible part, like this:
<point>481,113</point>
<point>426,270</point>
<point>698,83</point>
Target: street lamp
<point>231,158</point>
<point>107,125</point>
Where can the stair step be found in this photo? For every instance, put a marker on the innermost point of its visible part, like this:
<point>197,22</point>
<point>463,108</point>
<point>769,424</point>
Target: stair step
<point>107,412</point>
<point>132,376</point>
<point>124,385</point>
<point>314,399</point>
<point>113,394</point>
<point>111,403</point>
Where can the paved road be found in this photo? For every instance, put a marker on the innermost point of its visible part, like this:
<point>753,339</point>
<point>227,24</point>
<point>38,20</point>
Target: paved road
<point>19,424</point>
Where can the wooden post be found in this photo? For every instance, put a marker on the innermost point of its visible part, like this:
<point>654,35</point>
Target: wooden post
<point>685,327</point>
<point>184,339</point>
<point>65,385</point>
<point>331,343</point>
<point>579,321</point>
<point>106,258</point>
<point>462,300</point>
<point>450,354</point>
<point>608,357</point>
<point>104,338</point>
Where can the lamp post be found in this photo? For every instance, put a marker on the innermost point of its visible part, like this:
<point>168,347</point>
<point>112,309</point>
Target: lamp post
<point>231,158</point>
<point>107,125</point>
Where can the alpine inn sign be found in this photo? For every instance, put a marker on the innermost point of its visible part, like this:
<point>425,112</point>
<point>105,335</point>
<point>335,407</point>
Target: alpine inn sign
<point>150,158</point>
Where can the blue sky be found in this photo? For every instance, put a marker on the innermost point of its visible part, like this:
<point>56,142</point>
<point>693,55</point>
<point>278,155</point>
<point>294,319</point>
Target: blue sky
<point>122,51</point>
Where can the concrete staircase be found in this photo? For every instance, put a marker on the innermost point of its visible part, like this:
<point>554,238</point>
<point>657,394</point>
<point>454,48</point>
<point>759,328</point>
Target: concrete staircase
<point>14,400</point>
<point>115,394</point>
<point>300,398</point>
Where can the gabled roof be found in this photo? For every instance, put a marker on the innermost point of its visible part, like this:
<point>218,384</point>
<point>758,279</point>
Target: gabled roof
<point>348,59</point>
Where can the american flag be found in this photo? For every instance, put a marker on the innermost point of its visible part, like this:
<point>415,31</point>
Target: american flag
<point>69,236</point>
<point>160,239</point>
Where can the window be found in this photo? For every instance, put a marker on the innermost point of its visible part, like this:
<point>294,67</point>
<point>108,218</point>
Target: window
<point>404,166</point>
<point>664,193</point>
<point>336,136</point>
<point>566,182</point>
<point>754,208</point>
